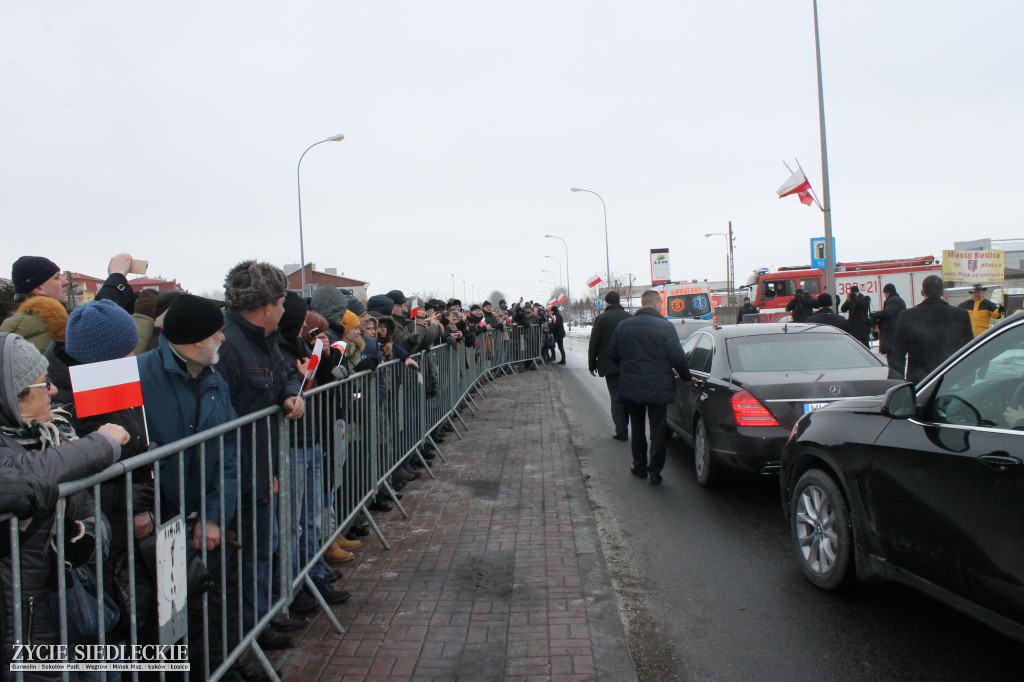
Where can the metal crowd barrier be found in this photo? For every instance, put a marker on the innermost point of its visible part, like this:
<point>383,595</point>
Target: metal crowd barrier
<point>329,466</point>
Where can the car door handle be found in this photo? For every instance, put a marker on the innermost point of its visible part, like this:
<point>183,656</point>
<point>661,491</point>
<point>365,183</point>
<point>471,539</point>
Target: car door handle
<point>999,462</point>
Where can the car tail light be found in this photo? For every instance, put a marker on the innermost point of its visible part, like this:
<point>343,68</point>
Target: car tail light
<point>748,411</point>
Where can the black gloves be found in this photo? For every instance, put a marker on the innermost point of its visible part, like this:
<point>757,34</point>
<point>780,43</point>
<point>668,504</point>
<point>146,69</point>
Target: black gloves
<point>78,545</point>
<point>142,497</point>
<point>26,495</point>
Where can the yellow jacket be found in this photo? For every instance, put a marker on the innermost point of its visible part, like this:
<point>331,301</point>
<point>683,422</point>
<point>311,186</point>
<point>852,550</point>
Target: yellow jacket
<point>982,314</point>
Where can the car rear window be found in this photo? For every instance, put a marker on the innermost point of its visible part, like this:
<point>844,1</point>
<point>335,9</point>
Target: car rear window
<point>800,351</point>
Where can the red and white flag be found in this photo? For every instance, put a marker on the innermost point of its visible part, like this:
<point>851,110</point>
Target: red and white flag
<point>314,360</point>
<point>102,387</point>
<point>560,300</point>
<point>414,307</point>
<point>339,346</point>
<point>799,185</point>
<point>594,280</point>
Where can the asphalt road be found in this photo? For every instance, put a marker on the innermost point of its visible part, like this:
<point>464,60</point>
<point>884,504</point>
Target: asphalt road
<point>709,588</point>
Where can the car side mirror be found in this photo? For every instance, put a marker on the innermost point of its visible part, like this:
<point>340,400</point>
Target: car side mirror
<point>900,402</point>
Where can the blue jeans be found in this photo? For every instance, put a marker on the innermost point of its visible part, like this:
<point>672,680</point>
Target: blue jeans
<point>307,503</point>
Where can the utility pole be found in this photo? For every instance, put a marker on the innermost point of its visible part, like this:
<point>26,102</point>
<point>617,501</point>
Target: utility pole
<point>629,291</point>
<point>732,266</point>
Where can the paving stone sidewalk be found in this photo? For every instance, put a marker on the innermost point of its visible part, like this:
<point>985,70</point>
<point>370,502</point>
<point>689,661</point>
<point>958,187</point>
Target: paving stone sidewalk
<point>496,574</point>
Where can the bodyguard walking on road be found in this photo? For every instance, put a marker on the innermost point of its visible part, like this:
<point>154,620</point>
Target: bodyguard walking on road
<point>599,361</point>
<point>928,333</point>
<point>646,349</point>
<point>886,319</point>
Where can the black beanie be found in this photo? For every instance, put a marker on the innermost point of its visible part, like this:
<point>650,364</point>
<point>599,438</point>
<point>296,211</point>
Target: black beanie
<point>380,303</point>
<point>612,297</point>
<point>356,306</point>
<point>294,316</point>
<point>28,272</point>
<point>191,319</point>
<point>397,296</point>
<point>824,300</point>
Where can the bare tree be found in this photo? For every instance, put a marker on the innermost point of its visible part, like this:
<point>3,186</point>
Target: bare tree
<point>496,296</point>
<point>214,294</point>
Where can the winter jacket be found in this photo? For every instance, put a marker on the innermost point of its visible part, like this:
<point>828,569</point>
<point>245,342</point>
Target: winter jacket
<point>858,309</point>
<point>646,349</point>
<point>746,309</point>
<point>258,376</point>
<point>886,319</point>
<point>39,320</point>
<point>179,406</point>
<point>558,327</point>
<point>829,317</point>
<point>601,339</point>
<point>982,313</point>
<point>926,335</point>
<point>801,307</point>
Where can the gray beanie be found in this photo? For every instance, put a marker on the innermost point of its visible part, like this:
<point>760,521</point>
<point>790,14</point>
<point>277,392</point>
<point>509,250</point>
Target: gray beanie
<point>22,364</point>
<point>329,302</point>
<point>252,284</point>
<point>100,330</point>
<point>356,306</point>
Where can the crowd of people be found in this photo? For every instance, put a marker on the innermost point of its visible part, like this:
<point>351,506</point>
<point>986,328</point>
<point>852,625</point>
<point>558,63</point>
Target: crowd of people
<point>201,364</point>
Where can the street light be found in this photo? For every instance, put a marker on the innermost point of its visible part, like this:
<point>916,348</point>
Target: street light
<point>453,285</point>
<point>568,295</point>
<point>298,178</point>
<point>730,264</point>
<point>553,279</point>
<point>607,260</point>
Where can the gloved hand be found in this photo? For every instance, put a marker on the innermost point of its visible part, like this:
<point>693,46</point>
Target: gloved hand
<point>145,302</point>
<point>340,372</point>
<point>26,495</point>
<point>142,497</point>
<point>78,545</point>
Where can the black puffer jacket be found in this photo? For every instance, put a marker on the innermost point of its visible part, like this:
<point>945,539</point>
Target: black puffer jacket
<point>926,335</point>
<point>601,339</point>
<point>646,349</point>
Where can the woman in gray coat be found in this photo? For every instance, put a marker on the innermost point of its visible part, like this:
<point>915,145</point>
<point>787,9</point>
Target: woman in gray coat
<point>37,439</point>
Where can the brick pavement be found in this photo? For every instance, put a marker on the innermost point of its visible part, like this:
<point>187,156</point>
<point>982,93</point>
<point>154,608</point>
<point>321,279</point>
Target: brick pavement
<point>496,574</point>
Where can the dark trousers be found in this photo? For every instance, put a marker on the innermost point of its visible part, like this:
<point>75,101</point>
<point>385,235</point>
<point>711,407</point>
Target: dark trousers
<point>619,416</point>
<point>656,417</point>
<point>561,349</point>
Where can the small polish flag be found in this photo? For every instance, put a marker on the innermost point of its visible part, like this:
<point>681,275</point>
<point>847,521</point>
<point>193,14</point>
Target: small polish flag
<point>799,185</point>
<point>560,300</point>
<point>594,281</point>
<point>339,346</point>
<point>414,307</point>
<point>314,360</point>
<point>102,387</point>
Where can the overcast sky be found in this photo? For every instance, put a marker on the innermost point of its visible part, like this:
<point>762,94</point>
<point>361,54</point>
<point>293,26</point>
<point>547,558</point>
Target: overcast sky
<point>172,131</point>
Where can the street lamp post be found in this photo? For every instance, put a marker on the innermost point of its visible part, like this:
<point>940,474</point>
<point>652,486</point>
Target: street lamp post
<point>553,280</point>
<point>568,295</point>
<point>607,259</point>
<point>453,285</point>
<point>561,282</point>
<point>730,271</point>
<point>298,178</point>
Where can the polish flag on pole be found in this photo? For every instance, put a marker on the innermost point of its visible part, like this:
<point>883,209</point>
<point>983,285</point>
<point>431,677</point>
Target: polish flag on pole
<point>594,281</point>
<point>799,185</point>
<point>102,387</point>
<point>339,346</point>
<point>414,307</point>
<point>314,360</point>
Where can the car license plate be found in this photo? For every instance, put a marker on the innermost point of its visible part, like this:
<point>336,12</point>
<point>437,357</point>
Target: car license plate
<point>811,407</point>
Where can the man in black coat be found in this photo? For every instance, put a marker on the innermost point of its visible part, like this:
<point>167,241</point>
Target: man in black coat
<point>886,319</point>
<point>598,360</point>
<point>646,348</point>
<point>857,307</point>
<point>801,306</point>
<point>747,308</point>
<point>558,332</point>
<point>826,315</point>
<point>928,333</point>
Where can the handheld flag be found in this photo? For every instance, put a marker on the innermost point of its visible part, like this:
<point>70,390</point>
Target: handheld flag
<point>594,280</point>
<point>414,307</point>
<point>339,346</point>
<point>314,360</point>
<point>799,185</point>
<point>102,387</point>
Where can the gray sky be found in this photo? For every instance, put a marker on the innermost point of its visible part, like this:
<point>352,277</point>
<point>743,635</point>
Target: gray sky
<point>172,131</point>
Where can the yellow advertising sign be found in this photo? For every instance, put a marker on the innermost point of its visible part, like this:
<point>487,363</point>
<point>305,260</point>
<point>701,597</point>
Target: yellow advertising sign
<point>973,266</point>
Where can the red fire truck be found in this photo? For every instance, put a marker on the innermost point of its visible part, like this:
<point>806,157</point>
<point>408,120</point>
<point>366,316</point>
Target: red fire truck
<point>774,290</point>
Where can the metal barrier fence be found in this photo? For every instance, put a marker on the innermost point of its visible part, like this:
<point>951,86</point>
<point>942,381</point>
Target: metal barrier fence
<point>287,488</point>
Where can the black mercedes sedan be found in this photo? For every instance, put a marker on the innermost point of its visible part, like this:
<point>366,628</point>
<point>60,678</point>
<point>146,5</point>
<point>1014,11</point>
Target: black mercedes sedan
<point>751,382</point>
<point>924,485</point>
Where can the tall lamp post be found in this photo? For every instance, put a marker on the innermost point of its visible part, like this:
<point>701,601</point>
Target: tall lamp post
<point>554,279</point>
<point>453,285</point>
<point>607,259</point>
<point>567,294</point>
<point>730,267</point>
<point>298,179</point>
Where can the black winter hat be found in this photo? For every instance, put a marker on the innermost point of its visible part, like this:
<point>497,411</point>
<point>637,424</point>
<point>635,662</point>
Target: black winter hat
<point>356,306</point>
<point>611,297</point>
<point>294,316</point>
<point>380,303</point>
<point>486,303</point>
<point>396,296</point>
<point>474,307</point>
<point>191,319</point>
<point>824,300</point>
<point>28,272</point>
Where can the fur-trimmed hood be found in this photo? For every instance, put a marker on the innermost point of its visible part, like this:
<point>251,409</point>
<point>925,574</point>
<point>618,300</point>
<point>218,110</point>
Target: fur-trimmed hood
<point>40,319</point>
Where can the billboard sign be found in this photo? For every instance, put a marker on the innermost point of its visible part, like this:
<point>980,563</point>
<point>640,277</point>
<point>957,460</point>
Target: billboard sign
<point>659,267</point>
<point>818,252</point>
<point>973,266</point>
